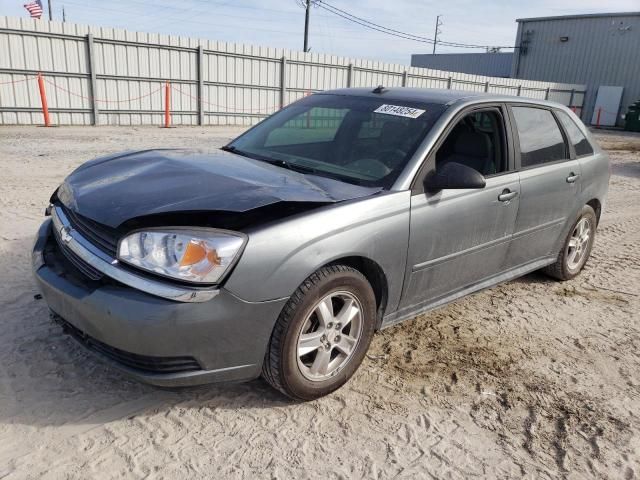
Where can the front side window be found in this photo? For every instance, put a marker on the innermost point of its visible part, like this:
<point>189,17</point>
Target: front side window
<point>540,138</point>
<point>477,141</point>
<point>580,143</point>
<point>361,140</point>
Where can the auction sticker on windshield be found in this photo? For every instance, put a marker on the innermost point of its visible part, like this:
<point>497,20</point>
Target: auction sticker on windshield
<point>399,111</point>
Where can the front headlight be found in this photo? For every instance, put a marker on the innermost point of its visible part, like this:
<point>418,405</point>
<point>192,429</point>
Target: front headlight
<point>191,255</point>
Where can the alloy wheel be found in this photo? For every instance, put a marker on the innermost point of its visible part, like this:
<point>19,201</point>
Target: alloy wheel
<point>578,244</point>
<point>329,335</point>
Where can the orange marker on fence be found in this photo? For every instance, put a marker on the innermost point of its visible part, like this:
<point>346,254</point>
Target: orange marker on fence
<point>43,100</point>
<point>167,102</point>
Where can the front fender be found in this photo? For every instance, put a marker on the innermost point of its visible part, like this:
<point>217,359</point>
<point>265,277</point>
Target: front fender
<point>279,257</point>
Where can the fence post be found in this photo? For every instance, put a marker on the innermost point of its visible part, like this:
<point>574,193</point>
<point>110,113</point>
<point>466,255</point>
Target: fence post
<point>167,105</point>
<point>350,75</point>
<point>283,80</point>
<point>93,88</point>
<point>404,78</point>
<point>573,92</point>
<point>200,85</point>
<point>519,89</point>
<point>486,86</point>
<point>581,107</point>
<point>449,83</point>
<point>43,100</point>
<point>546,93</point>
<point>598,117</point>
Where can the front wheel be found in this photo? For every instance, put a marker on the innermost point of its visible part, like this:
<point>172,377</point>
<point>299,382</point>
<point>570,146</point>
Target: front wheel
<point>322,334</point>
<point>576,248</point>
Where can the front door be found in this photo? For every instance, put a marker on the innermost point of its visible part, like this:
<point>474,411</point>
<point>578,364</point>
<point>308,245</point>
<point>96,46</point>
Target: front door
<point>460,237</point>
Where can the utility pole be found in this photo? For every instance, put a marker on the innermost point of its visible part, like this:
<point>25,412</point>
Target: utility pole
<point>64,15</point>
<point>306,25</point>
<point>50,12</point>
<point>436,33</point>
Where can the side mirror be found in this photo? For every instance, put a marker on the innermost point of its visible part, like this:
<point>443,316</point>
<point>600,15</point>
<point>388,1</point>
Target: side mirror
<point>454,175</point>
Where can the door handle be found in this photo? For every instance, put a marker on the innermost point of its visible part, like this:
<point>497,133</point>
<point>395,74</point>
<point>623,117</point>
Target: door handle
<point>572,177</point>
<point>507,195</point>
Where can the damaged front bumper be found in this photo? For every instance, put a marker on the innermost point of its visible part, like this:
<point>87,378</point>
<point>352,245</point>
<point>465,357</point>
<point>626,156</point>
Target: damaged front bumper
<point>85,253</point>
<point>156,340</point>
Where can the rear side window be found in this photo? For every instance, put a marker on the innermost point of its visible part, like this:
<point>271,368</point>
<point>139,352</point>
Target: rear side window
<point>540,138</point>
<point>576,137</point>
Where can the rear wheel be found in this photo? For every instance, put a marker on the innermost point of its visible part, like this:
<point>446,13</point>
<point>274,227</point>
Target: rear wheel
<point>322,334</point>
<point>577,247</point>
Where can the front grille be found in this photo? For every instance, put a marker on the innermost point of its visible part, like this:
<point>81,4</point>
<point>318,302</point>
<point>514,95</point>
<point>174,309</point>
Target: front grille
<point>143,363</point>
<point>84,268</point>
<point>103,237</point>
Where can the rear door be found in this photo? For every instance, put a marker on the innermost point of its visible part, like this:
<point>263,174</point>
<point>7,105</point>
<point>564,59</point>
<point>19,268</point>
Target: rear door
<point>549,184</point>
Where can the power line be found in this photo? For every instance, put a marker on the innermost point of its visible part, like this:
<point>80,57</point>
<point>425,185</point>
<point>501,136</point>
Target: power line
<point>390,31</point>
<point>372,26</point>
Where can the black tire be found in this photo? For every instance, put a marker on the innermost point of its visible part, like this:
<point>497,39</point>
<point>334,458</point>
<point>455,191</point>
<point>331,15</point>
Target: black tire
<point>280,368</point>
<point>561,269</point>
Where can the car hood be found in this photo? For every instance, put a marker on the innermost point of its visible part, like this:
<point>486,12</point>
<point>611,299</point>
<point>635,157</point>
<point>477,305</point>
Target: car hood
<point>116,188</point>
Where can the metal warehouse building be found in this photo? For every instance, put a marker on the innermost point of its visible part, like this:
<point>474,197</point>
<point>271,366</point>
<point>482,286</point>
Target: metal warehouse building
<point>489,64</point>
<point>598,50</point>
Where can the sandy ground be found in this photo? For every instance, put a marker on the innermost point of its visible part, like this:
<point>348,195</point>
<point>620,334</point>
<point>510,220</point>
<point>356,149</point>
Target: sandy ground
<point>533,378</point>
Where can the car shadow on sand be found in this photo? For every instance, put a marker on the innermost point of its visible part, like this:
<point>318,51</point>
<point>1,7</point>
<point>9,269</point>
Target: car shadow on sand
<point>534,277</point>
<point>48,379</point>
<point>631,169</point>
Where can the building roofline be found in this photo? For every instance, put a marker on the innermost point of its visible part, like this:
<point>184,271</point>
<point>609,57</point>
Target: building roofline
<point>585,15</point>
<point>456,54</point>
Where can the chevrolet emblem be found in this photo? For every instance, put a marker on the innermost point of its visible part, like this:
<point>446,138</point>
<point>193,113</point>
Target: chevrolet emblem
<point>65,234</point>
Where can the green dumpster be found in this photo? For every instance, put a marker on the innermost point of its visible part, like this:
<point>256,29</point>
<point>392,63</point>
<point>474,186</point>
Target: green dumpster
<point>632,118</point>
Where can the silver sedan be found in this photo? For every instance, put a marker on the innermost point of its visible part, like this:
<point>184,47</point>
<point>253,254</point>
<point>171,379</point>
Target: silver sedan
<point>348,211</point>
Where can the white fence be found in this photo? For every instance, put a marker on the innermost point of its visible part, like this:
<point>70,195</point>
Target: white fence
<point>100,76</point>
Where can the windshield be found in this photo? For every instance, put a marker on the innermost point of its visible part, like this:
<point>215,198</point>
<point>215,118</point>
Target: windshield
<point>361,140</point>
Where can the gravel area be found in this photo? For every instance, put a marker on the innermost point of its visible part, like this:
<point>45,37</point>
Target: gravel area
<point>533,378</point>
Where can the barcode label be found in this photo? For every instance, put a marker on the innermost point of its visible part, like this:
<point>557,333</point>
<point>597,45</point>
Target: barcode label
<point>399,111</point>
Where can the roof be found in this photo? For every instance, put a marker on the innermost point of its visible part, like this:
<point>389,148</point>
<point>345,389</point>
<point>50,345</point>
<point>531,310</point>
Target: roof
<point>421,95</point>
<point>585,15</point>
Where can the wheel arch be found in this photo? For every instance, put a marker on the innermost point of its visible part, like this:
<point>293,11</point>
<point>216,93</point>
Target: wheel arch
<point>376,277</point>
<point>597,207</point>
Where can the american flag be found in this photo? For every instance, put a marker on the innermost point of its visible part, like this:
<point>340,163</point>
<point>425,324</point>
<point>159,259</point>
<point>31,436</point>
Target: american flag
<point>34,9</point>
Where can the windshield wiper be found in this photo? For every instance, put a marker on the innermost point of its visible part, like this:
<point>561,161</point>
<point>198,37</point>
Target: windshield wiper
<point>254,156</point>
<point>243,153</point>
<point>272,161</point>
<point>296,167</point>
<point>232,149</point>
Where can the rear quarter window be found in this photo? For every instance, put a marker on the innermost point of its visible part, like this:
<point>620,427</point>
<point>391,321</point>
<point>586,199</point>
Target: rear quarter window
<point>580,143</point>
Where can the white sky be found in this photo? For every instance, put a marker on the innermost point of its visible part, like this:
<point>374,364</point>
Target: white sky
<point>280,23</point>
